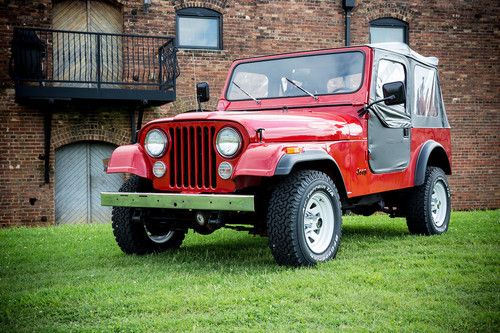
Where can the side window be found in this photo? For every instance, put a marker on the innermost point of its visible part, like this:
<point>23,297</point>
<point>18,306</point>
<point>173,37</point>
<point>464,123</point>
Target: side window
<point>389,71</point>
<point>425,92</point>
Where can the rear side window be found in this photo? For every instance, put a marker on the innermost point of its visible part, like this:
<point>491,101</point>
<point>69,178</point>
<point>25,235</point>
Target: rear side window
<point>425,91</point>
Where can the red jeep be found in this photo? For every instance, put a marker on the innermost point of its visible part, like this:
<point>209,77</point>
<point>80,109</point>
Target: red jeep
<point>297,140</point>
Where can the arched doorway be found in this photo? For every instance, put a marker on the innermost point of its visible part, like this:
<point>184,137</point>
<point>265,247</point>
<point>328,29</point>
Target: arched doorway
<point>79,180</point>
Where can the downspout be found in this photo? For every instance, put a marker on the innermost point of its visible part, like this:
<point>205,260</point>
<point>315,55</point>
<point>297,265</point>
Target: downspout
<point>348,6</point>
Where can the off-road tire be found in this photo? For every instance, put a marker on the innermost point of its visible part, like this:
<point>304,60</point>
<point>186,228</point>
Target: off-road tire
<point>285,218</point>
<point>418,205</point>
<point>131,236</point>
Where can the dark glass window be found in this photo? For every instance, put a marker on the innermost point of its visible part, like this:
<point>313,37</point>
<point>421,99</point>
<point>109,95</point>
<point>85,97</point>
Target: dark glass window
<point>199,28</point>
<point>388,30</point>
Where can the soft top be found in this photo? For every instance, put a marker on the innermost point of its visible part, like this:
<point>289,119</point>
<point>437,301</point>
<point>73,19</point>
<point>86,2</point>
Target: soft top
<point>403,49</point>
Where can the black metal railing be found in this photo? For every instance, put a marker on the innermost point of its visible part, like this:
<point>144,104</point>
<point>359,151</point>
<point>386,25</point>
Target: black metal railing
<point>77,59</point>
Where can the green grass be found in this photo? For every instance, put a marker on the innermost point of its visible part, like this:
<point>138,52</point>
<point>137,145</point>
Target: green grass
<point>74,278</point>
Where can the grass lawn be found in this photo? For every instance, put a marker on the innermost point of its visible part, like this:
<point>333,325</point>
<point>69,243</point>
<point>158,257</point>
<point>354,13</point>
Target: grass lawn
<point>74,278</point>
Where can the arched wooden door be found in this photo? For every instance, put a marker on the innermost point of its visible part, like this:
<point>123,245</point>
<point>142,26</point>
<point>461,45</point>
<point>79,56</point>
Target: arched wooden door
<point>75,55</point>
<point>79,180</point>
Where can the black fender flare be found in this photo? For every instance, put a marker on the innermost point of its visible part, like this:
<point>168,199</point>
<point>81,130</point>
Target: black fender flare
<point>423,160</point>
<point>288,161</point>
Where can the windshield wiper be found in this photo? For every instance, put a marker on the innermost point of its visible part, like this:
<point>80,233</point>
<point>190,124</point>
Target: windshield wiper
<point>243,91</point>
<point>307,92</point>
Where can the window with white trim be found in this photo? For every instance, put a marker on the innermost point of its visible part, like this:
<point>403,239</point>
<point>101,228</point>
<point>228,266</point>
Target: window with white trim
<point>199,28</point>
<point>385,30</point>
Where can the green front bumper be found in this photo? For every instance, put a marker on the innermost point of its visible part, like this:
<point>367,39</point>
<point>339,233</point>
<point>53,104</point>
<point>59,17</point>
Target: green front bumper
<point>228,202</point>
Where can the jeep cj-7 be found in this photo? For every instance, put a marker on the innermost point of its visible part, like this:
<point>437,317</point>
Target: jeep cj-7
<point>297,140</point>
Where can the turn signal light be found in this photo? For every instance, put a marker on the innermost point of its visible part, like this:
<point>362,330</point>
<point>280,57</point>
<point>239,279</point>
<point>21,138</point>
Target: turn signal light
<point>294,150</point>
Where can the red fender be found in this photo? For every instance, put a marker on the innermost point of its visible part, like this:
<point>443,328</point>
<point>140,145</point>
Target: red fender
<point>259,160</point>
<point>130,159</point>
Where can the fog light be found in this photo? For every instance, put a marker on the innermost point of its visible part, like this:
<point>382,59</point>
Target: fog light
<point>225,170</point>
<point>159,169</point>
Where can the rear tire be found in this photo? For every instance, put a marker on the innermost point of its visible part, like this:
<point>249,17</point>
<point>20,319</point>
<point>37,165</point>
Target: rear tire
<point>429,205</point>
<point>132,236</point>
<point>304,219</point>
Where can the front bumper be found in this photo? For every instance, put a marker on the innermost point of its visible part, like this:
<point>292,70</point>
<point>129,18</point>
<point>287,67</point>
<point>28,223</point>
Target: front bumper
<point>227,202</point>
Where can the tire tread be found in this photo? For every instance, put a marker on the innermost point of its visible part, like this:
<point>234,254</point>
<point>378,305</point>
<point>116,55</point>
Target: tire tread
<point>418,218</point>
<point>131,236</point>
<point>283,238</point>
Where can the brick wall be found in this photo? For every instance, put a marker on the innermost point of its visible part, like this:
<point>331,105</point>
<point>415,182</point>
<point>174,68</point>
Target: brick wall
<point>464,35</point>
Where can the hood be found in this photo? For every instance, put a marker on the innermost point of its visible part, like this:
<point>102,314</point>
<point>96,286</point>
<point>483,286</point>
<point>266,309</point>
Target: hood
<point>285,126</point>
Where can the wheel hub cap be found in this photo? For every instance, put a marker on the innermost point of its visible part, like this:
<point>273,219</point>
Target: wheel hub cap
<point>439,203</point>
<point>159,239</point>
<point>318,222</point>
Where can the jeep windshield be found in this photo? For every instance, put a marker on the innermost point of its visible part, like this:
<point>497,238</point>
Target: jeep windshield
<point>308,75</point>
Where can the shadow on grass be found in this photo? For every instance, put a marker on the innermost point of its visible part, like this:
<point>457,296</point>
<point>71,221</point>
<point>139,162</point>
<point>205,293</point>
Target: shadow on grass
<point>236,253</point>
<point>373,231</point>
<point>243,252</point>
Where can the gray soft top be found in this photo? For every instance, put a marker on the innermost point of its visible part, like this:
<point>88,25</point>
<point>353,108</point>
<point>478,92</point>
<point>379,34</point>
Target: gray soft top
<point>403,49</point>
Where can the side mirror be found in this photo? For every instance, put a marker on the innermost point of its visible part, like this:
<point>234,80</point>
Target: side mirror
<point>396,90</point>
<point>202,92</point>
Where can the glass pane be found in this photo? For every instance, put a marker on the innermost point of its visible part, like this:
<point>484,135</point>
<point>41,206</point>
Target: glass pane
<point>389,71</point>
<point>198,32</point>
<point>319,74</point>
<point>387,34</point>
<point>425,92</point>
<point>255,84</point>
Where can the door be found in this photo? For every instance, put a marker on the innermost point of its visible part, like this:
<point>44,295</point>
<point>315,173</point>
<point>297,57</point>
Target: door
<point>75,55</point>
<point>388,126</point>
<point>79,180</point>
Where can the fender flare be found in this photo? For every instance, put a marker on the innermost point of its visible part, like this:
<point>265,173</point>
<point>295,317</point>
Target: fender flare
<point>130,159</point>
<point>288,161</point>
<point>423,160</point>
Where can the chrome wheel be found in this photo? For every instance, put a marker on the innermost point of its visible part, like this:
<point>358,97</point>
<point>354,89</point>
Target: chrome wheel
<point>439,203</point>
<point>159,239</point>
<point>319,222</point>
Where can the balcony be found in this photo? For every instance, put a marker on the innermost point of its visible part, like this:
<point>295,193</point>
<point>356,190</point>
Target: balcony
<point>58,65</point>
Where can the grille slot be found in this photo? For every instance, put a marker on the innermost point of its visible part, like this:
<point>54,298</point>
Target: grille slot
<point>192,157</point>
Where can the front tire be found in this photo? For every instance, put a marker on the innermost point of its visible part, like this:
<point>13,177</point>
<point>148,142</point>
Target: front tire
<point>304,219</point>
<point>132,234</point>
<point>429,205</point>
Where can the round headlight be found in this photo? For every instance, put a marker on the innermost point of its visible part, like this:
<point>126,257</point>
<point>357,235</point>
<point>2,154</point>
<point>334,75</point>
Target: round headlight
<point>228,142</point>
<point>155,143</point>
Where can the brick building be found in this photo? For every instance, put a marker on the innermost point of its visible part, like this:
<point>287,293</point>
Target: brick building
<point>463,34</point>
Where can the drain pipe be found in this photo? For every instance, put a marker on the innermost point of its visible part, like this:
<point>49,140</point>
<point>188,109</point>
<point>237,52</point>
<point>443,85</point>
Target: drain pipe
<point>348,6</point>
